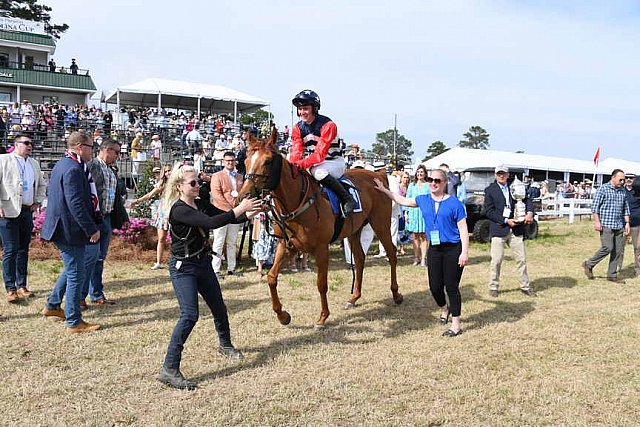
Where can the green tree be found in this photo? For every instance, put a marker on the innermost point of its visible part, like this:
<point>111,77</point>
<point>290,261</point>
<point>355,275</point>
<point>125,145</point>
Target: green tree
<point>477,137</point>
<point>30,10</point>
<point>384,146</point>
<point>145,185</point>
<point>435,149</point>
<point>256,117</point>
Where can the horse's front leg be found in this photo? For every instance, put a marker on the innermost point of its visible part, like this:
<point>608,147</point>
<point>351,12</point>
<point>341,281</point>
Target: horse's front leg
<point>322,267</point>
<point>272,279</point>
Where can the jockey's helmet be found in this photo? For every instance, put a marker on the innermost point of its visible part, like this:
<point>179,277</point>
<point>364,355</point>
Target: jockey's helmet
<point>307,97</point>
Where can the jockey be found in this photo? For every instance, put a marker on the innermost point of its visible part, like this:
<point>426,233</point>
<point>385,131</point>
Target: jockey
<point>316,136</point>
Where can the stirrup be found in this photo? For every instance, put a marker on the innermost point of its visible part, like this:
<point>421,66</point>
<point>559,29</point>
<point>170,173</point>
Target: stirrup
<point>346,212</point>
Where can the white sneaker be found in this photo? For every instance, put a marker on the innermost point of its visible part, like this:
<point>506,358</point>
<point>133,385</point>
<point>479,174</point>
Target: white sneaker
<point>156,266</point>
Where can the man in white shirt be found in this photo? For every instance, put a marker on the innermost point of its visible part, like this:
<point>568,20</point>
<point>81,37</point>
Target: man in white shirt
<point>194,139</point>
<point>22,190</point>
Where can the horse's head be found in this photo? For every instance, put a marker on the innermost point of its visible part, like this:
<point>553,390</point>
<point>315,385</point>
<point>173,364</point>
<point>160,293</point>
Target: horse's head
<point>263,166</point>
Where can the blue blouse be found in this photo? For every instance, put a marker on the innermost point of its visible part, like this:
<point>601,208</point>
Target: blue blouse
<point>450,212</point>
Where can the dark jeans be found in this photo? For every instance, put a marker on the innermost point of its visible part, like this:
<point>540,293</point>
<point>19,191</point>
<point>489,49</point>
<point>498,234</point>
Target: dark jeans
<point>195,277</point>
<point>612,244</point>
<point>445,274</point>
<point>96,287</point>
<point>16,236</point>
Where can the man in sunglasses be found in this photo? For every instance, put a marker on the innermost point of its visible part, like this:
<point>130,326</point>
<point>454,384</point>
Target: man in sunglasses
<point>610,210</point>
<point>506,231</point>
<point>106,182</point>
<point>632,187</point>
<point>22,190</point>
<point>72,223</point>
<point>224,190</point>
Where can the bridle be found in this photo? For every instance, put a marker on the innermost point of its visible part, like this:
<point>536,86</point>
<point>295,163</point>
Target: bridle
<point>279,214</point>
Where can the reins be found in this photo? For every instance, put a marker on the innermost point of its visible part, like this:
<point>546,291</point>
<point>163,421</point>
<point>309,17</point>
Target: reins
<point>280,216</point>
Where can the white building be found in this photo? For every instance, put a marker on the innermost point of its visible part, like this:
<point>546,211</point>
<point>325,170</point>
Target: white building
<point>25,51</point>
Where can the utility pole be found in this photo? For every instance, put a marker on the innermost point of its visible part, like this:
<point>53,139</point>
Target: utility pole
<point>395,138</point>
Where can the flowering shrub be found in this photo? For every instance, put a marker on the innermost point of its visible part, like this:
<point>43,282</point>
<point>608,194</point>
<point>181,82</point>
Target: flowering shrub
<point>131,231</point>
<point>38,221</point>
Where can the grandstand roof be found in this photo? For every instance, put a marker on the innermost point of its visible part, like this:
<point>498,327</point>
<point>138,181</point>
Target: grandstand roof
<point>185,95</point>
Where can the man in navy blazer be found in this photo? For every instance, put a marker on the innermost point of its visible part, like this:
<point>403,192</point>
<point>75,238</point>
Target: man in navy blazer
<point>504,230</point>
<point>71,223</point>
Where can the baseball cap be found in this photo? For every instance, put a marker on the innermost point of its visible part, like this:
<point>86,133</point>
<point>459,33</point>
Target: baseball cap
<point>378,165</point>
<point>501,168</point>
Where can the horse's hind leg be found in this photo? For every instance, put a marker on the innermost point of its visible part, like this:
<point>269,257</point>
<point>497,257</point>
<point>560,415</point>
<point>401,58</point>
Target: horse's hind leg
<point>272,279</point>
<point>382,229</point>
<point>358,259</point>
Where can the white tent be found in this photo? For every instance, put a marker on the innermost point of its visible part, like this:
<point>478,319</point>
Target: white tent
<point>466,158</point>
<point>183,95</point>
<point>609,164</point>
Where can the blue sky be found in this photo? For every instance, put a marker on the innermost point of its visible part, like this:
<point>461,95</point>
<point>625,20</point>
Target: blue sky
<point>547,77</point>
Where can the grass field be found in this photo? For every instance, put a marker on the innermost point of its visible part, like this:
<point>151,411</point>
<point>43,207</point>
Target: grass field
<point>566,358</point>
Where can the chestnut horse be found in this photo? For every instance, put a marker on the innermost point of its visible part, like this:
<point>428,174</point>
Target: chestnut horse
<point>303,219</point>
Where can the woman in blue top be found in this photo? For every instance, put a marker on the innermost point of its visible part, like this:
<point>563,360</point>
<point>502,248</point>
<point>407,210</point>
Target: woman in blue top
<point>446,228</point>
<point>415,222</point>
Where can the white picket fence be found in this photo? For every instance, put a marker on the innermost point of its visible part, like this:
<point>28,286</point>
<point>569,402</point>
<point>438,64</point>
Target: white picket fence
<point>566,207</point>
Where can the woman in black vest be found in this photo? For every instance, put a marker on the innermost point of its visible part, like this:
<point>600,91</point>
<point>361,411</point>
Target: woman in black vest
<point>190,267</point>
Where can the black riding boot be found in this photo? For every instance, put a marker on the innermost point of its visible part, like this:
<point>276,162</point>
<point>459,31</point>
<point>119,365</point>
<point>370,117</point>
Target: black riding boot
<point>347,204</point>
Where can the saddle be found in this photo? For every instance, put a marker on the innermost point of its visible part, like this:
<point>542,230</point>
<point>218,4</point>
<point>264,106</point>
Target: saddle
<point>335,203</point>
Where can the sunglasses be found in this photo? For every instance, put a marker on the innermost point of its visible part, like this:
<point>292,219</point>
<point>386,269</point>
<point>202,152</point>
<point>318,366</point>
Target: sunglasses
<point>193,183</point>
<point>621,180</point>
<point>26,142</point>
<point>434,180</point>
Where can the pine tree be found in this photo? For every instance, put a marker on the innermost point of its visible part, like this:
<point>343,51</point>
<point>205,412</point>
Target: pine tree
<point>30,10</point>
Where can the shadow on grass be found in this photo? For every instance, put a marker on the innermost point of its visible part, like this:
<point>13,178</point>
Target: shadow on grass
<point>501,311</point>
<point>173,313</point>
<point>628,272</point>
<point>479,259</point>
<point>413,314</point>
<point>554,282</point>
<point>114,285</point>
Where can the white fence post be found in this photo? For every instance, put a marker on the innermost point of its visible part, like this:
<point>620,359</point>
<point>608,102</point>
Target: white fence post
<point>572,214</point>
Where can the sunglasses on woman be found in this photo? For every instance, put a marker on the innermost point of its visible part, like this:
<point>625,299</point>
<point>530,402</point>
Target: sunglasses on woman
<point>434,180</point>
<point>193,183</point>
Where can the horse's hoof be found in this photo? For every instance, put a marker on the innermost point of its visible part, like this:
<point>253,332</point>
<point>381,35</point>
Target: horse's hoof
<point>349,306</point>
<point>285,319</point>
<point>399,300</point>
<point>318,327</point>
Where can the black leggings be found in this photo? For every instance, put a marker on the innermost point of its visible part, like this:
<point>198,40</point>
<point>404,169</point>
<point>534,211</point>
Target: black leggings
<point>445,274</point>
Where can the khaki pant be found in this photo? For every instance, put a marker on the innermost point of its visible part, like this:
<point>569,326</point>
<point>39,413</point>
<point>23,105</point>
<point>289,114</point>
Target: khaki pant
<point>497,255</point>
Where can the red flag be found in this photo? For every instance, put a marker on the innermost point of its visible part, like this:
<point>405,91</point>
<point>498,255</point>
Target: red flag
<point>596,158</point>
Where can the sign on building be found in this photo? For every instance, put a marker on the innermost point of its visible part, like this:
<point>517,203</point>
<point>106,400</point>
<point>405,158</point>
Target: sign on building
<point>16,24</point>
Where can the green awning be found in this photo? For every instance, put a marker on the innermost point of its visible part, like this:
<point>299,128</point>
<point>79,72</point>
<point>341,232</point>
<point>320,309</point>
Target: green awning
<point>27,38</point>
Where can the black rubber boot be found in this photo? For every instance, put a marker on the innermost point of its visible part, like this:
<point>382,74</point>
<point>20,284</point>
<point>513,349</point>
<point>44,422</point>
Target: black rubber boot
<point>174,378</point>
<point>347,204</point>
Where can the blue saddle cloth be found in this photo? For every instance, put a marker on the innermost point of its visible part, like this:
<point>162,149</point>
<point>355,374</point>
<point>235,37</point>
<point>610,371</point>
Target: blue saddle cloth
<point>335,201</point>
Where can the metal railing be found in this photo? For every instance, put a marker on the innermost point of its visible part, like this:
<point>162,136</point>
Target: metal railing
<point>40,67</point>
